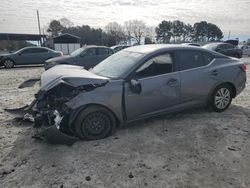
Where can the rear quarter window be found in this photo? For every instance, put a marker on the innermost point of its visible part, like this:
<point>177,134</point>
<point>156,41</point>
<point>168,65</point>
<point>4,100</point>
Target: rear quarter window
<point>207,58</point>
<point>102,51</point>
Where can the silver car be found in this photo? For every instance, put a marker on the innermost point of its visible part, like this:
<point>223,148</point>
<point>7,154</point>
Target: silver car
<point>28,56</point>
<point>135,83</point>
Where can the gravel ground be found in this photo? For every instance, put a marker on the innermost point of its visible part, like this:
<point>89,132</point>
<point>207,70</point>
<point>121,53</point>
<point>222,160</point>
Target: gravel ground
<point>197,148</point>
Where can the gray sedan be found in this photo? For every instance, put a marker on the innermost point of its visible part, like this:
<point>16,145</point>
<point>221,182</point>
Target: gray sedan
<point>87,57</point>
<point>135,83</point>
<point>28,56</point>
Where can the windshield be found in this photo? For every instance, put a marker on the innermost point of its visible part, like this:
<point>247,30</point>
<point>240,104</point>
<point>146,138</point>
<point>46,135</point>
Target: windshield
<point>117,65</point>
<point>77,52</point>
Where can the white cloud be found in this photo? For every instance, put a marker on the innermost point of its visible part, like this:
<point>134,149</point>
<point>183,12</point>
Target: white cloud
<point>20,16</point>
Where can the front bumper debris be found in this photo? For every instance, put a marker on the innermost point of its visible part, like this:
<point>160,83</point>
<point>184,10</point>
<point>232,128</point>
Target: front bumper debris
<point>29,83</point>
<point>51,134</point>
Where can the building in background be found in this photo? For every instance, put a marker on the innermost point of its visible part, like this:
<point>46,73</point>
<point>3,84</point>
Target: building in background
<point>65,43</point>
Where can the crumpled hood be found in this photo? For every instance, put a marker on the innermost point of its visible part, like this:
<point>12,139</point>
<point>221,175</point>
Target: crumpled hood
<point>69,74</point>
<point>3,55</point>
<point>60,58</point>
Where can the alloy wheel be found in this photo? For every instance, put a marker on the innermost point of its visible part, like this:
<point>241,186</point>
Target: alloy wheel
<point>8,63</point>
<point>222,98</point>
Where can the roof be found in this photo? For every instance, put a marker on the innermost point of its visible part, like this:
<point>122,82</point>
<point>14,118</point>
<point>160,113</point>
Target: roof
<point>21,36</point>
<point>118,46</point>
<point>67,34</point>
<point>35,47</point>
<point>94,46</point>
<point>66,38</point>
<point>154,47</point>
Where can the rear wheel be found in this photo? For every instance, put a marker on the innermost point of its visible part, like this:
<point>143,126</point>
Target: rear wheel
<point>8,63</point>
<point>94,123</point>
<point>238,56</point>
<point>221,98</point>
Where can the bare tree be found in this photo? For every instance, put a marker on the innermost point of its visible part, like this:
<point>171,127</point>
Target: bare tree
<point>135,28</point>
<point>115,32</point>
<point>128,30</point>
<point>150,33</point>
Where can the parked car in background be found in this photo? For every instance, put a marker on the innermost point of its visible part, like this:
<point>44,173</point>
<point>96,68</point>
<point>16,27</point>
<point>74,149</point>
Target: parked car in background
<point>245,49</point>
<point>191,44</point>
<point>28,56</point>
<point>224,48</point>
<point>117,48</point>
<point>135,83</point>
<point>87,57</point>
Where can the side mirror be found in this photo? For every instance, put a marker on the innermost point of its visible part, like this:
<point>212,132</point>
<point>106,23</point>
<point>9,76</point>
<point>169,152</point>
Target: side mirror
<point>135,86</point>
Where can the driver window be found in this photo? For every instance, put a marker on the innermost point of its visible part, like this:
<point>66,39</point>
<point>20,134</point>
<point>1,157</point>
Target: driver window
<point>158,65</point>
<point>27,51</point>
<point>89,52</point>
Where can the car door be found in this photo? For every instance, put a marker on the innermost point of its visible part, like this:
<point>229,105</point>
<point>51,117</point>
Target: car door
<point>25,56</point>
<point>40,55</point>
<point>87,58</point>
<point>160,87</point>
<point>222,49</point>
<point>197,76</point>
<point>230,50</point>
<point>43,54</point>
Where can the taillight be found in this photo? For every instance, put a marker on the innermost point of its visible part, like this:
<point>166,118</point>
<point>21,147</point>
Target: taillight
<point>243,67</point>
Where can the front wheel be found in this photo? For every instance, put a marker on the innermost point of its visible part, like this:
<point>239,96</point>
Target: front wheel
<point>221,98</point>
<point>8,63</point>
<point>94,123</point>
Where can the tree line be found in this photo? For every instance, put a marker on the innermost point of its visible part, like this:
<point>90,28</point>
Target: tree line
<point>115,33</point>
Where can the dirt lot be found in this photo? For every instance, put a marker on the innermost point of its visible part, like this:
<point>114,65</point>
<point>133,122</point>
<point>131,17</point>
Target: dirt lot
<point>189,149</point>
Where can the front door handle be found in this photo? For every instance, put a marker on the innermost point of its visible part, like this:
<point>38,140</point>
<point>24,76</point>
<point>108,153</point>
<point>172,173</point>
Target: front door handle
<point>173,82</point>
<point>214,73</point>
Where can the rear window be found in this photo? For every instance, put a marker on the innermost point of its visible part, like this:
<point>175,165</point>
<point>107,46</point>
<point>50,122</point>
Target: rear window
<point>190,59</point>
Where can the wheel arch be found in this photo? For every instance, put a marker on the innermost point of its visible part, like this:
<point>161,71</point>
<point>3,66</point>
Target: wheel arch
<point>9,58</point>
<point>219,84</point>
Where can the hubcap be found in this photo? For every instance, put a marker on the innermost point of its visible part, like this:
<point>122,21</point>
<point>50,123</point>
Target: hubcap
<point>222,98</point>
<point>8,63</point>
<point>96,123</point>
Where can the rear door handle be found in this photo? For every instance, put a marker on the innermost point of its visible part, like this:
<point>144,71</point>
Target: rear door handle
<point>214,73</point>
<point>173,82</point>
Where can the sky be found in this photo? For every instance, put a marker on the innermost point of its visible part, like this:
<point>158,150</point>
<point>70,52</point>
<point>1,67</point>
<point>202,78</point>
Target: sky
<point>19,16</point>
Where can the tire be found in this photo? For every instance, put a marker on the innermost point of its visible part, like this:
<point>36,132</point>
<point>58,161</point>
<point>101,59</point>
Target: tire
<point>221,98</point>
<point>238,56</point>
<point>94,122</point>
<point>8,63</point>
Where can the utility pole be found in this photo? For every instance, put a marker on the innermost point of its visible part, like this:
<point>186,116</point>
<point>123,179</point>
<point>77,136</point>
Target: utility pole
<point>229,33</point>
<point>39,27</point>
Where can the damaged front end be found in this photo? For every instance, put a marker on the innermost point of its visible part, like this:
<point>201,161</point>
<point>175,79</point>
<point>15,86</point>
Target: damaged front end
<point>49,111</point>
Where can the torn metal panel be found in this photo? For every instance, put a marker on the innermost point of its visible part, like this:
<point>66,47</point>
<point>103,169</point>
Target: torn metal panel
<point>54,136</point>
<point>29,83</point>
<point>69,74</point>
